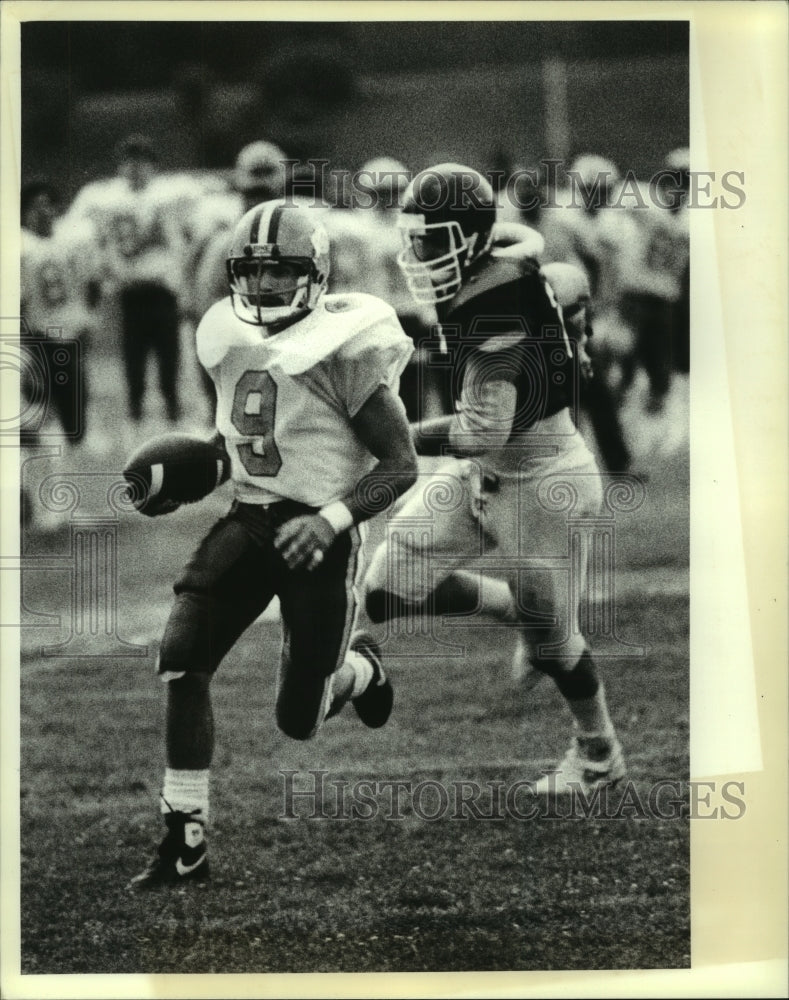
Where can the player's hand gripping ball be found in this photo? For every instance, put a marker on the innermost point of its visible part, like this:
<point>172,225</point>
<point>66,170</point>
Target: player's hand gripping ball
<point>174,469</point>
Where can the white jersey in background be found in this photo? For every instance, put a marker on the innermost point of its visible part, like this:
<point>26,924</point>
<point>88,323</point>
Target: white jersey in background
<point>598,242</point>
<point>658,259</point>
<point>55,280</point>
<point>365,245</point>
<point>141,233</point>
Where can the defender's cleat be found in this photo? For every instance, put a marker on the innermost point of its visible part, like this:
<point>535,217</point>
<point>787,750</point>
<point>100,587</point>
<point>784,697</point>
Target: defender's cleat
<point>591,762</point>
<point>374,704</point>
<point>182,855</point>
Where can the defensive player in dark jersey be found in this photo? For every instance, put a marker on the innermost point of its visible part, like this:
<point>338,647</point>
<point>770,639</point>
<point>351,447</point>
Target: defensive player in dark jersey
<point>514,452</point>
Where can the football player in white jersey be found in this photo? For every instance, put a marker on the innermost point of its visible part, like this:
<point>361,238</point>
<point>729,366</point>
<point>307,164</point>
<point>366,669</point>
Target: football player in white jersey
<point>58,296</point>
<point>318,442</point>
<point>496,504</point>
<point>582,229</point>
<point>144,248</point>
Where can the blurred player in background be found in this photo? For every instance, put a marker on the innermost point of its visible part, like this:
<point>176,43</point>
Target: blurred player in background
<point>584,229</point>
<point>258,175</point>
<point>516,377</point>
<point>581,227</point>
<point>365,247</point>
<point>138,227</point>
<point>318,441</point>
<point>655,281</point>
<point>59,295</point>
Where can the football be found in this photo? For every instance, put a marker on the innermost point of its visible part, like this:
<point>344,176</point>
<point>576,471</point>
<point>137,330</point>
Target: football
<point>173,469</point>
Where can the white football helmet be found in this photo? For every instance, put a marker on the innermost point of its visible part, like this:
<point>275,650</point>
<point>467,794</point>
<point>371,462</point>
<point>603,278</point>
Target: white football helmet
<point>598,177</point>
<point>278,266</point>
<point>388,178</point>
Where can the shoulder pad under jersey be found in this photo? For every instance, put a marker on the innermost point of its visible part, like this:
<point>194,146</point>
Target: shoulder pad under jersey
<point>517,241</point>
<point>336,321</point>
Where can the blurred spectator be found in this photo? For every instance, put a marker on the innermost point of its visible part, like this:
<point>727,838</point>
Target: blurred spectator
<point>584,228</point>
<point>581,226</point>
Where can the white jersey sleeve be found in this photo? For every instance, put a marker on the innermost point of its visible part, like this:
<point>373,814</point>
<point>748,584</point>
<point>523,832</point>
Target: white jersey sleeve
<point>375,356</point>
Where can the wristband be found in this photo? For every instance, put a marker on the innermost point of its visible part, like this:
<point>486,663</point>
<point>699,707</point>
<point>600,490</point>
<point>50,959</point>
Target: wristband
<point>338,516</point>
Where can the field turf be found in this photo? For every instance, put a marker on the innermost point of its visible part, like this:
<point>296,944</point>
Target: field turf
<point>342,894</point>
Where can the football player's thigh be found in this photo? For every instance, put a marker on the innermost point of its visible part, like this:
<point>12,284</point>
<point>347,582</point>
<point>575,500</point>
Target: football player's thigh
<point>318,613</point>
<point>434,532</point>
<point>221,591</point>
<point>545,524</point>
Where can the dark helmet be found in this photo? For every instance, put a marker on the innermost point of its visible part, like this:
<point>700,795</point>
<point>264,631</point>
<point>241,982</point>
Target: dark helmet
<point>447,223</point>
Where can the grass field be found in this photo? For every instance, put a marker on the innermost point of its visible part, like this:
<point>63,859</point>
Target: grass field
<point>306,895</point>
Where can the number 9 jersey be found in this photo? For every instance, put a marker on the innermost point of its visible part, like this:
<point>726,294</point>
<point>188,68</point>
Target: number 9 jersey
<point>285,399</point>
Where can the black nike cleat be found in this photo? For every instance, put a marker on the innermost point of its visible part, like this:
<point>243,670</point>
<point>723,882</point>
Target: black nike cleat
<point>182,856</point>
<point>374,704</point>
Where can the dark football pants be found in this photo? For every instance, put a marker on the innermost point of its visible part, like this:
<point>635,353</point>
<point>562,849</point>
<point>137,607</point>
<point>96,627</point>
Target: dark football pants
<point>654,320</point>
<point>66,388</point>
<point>150,324</point>
<point>229,582</point>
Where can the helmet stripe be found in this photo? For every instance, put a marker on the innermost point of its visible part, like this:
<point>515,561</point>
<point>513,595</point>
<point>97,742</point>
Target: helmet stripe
<point>273,226</point>
<point>254,229</point>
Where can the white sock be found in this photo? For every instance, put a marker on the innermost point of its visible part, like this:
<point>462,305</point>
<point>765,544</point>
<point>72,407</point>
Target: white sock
<point>185,791</point>
<point>362,672</point>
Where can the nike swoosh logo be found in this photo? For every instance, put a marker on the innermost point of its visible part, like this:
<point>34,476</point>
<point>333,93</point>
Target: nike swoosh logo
<point>183,869</point>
